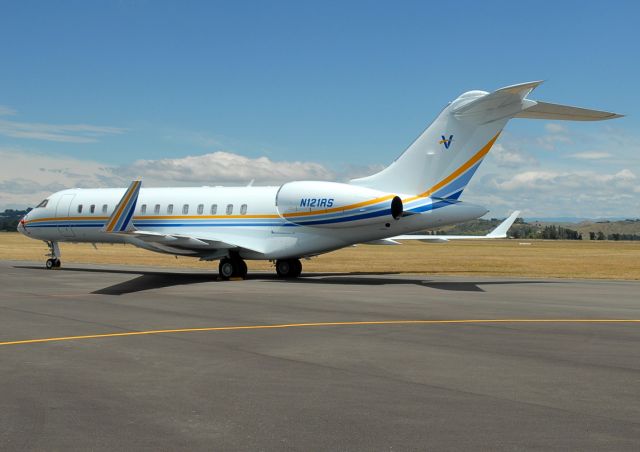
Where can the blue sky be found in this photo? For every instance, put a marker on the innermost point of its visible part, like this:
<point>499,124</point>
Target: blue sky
<point>95,91</point>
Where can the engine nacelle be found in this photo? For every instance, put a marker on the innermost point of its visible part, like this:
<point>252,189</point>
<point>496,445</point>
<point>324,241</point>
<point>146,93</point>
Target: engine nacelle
<point>335,205</point>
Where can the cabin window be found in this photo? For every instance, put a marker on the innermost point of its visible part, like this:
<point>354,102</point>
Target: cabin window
<point>214,209</point>
<point>185,209</point>
<point>156,209</point>
<point>243,209</point>
<point>105,208</point>
<point>170,209</point>
<point>229,209</point>
<point>143,209</point>
<point>92,209</point>
<point>79,208</point>
<point>200,209</point>
<point>43,203</point>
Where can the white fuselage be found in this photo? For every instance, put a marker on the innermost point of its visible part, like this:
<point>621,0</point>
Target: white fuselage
<point>419,190</point>
<point>245,215</point>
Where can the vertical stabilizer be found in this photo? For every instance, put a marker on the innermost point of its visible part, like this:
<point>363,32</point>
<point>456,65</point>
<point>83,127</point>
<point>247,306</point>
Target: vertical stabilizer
<point>441,162</point>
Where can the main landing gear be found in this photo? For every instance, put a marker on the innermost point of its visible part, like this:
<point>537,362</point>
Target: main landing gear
<point>288,268</point>
<point>235,267</point>
<point>54,256</point>
<point>232,267</point>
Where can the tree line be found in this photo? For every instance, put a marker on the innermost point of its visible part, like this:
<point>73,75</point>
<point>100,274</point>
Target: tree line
<point>615,236</point>
<point>10,218</point>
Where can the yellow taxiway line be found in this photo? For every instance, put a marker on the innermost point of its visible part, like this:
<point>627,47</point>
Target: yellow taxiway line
<point>316,324</point>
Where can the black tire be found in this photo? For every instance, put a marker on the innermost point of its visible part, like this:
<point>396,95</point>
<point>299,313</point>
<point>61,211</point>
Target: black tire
<point>50,263</point>
<point>288,268</point>
<point>226,268</point>
<point>241,269</point>
<point>283,268</point>
<point>57,263</point>
<point>297,267</point>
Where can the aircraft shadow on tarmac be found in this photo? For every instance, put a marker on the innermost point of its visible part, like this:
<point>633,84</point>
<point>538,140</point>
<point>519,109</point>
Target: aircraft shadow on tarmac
<point>148,280</point>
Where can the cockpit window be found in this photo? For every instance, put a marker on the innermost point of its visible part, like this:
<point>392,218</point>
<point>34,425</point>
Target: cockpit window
<point>43,203</point>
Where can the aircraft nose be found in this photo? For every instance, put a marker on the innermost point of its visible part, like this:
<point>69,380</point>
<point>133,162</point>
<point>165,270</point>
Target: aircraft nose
<point>21,226</point>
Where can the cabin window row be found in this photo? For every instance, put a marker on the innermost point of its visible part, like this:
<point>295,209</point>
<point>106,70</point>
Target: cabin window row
<point>213,210</point>
<point>200,209</point>
<point>92,208</point>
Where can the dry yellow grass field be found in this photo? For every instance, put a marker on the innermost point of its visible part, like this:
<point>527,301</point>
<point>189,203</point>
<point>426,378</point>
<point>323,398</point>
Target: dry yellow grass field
<point>556,259</point>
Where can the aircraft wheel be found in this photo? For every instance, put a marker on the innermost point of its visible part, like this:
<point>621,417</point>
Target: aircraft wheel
<point>50,263</point>
<point>297,268</point>
<point>57,263</point>
<point>241,269</point>
<point>288,268</point>
<point>226,268</point>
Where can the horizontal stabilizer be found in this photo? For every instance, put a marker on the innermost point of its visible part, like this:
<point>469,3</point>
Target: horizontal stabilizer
<point>546,110</point>
<point>500,232</point>
<point>502,103</point>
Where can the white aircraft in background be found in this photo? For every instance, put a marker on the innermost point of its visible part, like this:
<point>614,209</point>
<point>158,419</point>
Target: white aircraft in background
<point>419,190</point>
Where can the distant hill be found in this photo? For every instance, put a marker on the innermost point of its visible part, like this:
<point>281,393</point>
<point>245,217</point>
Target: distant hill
<point>603,230</point>
<point>608,227</point>
<point>557,220</point>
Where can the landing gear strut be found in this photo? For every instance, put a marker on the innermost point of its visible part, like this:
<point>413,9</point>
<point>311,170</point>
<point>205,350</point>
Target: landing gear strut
<point>288,268</point>
<point>232,267</point>
<point>54,256</point>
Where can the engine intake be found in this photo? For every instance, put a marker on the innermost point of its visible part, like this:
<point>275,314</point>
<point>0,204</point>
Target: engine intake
<point>396,207</point>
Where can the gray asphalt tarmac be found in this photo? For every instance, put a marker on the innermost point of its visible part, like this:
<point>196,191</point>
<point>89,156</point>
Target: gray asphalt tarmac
<point>444,386</point>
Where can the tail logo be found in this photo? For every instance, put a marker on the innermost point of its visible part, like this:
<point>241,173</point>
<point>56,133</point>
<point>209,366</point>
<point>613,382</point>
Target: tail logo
<point>446,141</point>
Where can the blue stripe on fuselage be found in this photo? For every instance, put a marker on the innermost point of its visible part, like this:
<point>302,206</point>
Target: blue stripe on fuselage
<point>167,223</point>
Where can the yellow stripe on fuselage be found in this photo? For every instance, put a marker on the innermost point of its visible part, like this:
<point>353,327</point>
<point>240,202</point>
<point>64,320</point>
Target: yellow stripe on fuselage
<point>156,217</point>
<point>36,220</point>
<point>468,164</point>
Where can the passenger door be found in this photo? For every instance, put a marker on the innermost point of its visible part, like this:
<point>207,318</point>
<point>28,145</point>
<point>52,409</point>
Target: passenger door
<point>63,209</point>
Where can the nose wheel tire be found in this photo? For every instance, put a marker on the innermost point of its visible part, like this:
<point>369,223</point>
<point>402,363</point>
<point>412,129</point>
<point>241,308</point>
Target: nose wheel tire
<point>288,268</point>
<point>232,268</point>
<point>52,263</point>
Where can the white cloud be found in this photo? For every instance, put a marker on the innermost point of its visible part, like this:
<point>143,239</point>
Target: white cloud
<point>591,155</point>
<point>556,134</point>
<point>553,127</point>
<point>356,171</point>
<point>549,193</point>
<point>553,180</point>
<point>27,177</point>
<point>225,167</point>
<point>6,111</point>
<point>550,142</point>
<point>68,133</point>
<point>511,157</point>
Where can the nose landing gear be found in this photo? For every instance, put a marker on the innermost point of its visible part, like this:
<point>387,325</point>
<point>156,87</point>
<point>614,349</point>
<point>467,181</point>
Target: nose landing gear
<point>54,256</point>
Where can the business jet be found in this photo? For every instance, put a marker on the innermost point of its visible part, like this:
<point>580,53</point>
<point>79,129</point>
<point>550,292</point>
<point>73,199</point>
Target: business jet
<point>420,190</point>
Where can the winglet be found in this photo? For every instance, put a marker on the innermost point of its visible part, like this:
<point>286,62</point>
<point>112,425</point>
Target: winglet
<point>121,218</point>
<point>501,231</point>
